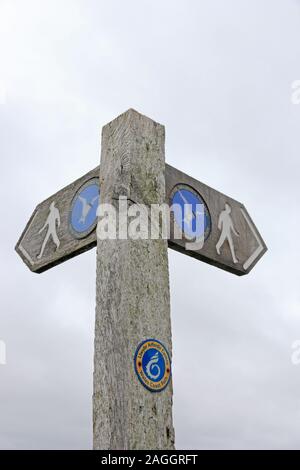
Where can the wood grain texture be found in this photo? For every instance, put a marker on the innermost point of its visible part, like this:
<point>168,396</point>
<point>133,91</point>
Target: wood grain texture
<point>132,287</point>
<point>245,244</point>
<point>133,300</point>
<point>30,241</point>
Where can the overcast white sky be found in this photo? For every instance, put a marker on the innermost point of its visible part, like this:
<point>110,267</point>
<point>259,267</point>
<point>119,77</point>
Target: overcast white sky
<point>218,75</point>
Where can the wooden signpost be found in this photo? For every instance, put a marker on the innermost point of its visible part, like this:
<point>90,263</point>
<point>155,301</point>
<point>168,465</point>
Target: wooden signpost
<point>248,244</point>
<point>132,398</point>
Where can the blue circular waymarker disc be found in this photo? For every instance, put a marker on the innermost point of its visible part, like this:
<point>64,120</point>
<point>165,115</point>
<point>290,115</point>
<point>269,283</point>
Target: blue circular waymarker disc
<point>83,213</point>
<point>193,218</point>
<point>152,365</point>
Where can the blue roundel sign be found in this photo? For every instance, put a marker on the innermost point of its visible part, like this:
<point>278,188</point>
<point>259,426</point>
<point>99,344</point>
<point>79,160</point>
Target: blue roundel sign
<point>191,214</point>
<point>152,365</point>
<point>83,212</point>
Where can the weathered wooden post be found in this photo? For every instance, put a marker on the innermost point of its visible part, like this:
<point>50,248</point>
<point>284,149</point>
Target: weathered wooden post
<point>132,399</point>
<point>133,300</point>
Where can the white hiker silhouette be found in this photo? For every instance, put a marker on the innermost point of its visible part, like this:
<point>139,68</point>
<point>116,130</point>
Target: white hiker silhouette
<point>86,207</point>
<point>52,221</point>
<point>225,224</point>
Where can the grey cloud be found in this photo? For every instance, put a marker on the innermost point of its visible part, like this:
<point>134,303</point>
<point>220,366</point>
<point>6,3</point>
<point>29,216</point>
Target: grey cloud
<point>218,75</point>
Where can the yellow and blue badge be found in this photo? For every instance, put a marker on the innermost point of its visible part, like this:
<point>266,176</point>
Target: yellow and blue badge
<point>152,365</point>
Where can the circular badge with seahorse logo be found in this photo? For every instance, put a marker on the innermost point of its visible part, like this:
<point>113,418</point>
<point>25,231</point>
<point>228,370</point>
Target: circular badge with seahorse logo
<point>152,365</point>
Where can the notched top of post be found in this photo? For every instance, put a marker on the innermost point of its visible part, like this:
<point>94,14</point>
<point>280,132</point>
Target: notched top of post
<point>131,144</point>
<point>231,240</point>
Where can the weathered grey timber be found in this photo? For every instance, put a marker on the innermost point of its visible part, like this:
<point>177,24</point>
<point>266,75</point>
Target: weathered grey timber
<point>30,242</point>
<point>249,244</point>
<point>133,300</point>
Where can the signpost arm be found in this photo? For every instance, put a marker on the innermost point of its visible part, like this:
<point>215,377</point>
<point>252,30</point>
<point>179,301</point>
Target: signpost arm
<point>132,294</point>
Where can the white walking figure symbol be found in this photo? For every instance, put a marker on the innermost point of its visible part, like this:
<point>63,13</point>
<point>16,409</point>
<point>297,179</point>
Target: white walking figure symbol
<point>226,226</point>
<point>152,364</point>
<point>53,221</point>
<point>86,207</point>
